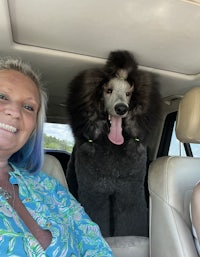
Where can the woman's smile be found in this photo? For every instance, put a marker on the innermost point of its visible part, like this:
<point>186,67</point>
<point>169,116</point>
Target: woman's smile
<point>8,127</point>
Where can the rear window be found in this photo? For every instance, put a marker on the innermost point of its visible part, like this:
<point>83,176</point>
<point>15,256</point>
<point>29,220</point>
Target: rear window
<point>170,145</point>
<point>178,149</point>
<point>58,137</point>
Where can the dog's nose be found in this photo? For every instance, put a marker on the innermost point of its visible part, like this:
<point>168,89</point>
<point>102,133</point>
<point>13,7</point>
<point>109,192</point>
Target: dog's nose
<point>121,109</point>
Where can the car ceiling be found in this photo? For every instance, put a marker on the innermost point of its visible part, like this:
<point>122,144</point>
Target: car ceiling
<point>62,38</point>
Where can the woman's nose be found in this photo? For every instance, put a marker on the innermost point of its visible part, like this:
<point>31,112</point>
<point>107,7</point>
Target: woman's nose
<point>13,110</point>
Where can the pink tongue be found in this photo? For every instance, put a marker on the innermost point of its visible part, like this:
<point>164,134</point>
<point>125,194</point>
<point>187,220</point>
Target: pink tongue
<point>115,135</point>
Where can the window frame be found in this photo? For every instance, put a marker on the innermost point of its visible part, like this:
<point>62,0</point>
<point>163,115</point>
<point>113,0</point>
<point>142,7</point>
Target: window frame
<point>166,137</point>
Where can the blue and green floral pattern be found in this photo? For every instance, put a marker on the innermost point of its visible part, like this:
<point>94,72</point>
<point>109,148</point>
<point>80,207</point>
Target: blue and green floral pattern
<point>54,208</point>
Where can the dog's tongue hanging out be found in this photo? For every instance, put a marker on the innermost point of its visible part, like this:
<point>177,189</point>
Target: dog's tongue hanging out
<point>115,135</point>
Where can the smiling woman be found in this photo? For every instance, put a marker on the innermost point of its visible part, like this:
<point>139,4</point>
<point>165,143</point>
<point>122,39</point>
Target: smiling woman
<point>27,103</point>
<point>38,216</point>
<point>20,109</point>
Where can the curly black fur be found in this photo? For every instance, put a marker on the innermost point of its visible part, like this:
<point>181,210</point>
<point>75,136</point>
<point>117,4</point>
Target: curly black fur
<point>110,176</point>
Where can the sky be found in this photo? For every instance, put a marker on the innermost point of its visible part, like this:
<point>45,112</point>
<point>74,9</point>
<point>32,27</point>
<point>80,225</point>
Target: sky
<point>59,131</point>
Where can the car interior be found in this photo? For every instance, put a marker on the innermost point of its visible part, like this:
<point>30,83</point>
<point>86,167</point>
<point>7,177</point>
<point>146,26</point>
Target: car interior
<point>62,38</point>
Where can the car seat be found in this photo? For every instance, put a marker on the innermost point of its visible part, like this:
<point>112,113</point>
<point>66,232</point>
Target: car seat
<point>53,167</point>
<point>171,181</point>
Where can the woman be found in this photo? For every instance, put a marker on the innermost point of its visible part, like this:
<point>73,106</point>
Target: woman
<point>38,217</point>
<point>195,216</point>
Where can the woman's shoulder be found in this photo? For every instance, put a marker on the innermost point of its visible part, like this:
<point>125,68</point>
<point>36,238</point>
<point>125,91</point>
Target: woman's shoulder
<point>36,177</point>
<point>44,179</point>
<point>197,187</point>
<point>196,192</point>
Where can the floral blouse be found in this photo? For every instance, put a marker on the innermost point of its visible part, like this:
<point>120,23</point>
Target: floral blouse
<point>55,209</point>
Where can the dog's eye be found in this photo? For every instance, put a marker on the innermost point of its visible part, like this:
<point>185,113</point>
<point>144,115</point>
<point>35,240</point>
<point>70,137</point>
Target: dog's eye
<point>109,91</point>
<point>128,93</point>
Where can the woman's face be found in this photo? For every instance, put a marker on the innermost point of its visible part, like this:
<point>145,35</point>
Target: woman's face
<point>19,104</point>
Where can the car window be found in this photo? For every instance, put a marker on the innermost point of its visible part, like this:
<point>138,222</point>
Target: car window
<point>195,150</point>
<point>178,149</point>
<point>58,137</point>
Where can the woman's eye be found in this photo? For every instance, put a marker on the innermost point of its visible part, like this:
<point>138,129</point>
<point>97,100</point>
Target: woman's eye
<point>29,107</point>
<point>3,97</point>
<point>109,91</point>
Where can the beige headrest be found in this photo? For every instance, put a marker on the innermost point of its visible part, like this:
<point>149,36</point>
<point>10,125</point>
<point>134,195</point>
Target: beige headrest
<point>188,118</point>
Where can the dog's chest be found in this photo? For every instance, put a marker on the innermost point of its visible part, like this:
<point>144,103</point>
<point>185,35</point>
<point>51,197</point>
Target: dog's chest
<point>111,161</point>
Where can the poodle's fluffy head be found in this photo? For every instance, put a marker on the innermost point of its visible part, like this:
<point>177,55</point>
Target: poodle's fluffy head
<point>117,100</point>
<point>120,71</point>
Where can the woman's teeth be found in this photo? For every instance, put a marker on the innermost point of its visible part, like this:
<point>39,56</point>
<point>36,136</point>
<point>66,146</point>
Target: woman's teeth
<point>8,127</point>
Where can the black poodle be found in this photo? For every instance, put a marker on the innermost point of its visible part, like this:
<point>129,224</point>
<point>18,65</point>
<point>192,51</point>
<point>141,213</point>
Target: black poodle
<point>112,112</point>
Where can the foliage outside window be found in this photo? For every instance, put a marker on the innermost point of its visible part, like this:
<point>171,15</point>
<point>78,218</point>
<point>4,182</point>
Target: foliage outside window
<point>58,137</point>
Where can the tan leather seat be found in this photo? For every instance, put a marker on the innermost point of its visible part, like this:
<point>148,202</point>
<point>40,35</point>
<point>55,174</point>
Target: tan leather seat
<point>129,246</point>
<point>53,168</point>
<point>171,181</point>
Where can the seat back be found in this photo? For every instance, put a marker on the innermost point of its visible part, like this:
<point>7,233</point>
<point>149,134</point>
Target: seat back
<point>171,181</point>
<point>53,168</point>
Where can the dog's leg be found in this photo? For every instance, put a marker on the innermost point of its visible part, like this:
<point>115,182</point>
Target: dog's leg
<point>130,210</point>
<point>97,207</point>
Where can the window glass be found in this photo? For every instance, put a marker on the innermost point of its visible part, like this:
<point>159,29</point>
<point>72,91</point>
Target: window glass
<point>195,150</point>
<point>177,148</point>
<point>58,137</point>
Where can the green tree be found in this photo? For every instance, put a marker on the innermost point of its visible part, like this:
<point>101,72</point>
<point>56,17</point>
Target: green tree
<point>57,144</point>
